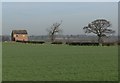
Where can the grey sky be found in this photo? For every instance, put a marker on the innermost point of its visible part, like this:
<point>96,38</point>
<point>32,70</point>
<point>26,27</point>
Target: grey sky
<point>60,0</point>
<point>36,17</point>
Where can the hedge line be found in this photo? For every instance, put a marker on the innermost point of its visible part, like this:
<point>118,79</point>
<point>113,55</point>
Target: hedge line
<point>73,43</point>
<point>33,42</point>
<point>83,43</point>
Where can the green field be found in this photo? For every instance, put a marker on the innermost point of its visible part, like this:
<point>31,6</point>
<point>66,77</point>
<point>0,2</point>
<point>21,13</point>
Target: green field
<point>26,62</point>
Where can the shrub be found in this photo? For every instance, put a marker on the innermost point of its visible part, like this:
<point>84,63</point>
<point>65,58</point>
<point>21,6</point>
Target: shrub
<point>108,44</point>
<point>56,43</point>
<point>33,42</point>
<point>83,43</point>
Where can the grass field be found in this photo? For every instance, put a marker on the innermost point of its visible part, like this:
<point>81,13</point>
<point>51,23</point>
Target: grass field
<point>26,62</point>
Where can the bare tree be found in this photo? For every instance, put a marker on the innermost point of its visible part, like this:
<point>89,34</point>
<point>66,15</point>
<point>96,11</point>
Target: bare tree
<point>55,28</point>
<point>100,27</point>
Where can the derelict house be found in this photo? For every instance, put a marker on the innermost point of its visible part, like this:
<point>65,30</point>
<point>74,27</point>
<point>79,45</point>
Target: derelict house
<point>19,35</point>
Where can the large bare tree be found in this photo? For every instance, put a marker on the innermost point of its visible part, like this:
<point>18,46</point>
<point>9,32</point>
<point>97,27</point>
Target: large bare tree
<point>54,29</point>
<point>100,27</point>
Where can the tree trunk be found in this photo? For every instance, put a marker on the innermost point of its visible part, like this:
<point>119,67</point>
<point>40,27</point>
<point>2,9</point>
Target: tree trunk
<point>100,40</point>
<point>52,38</point>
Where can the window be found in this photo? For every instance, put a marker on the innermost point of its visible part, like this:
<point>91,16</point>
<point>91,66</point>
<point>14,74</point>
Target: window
<point>16,35</point>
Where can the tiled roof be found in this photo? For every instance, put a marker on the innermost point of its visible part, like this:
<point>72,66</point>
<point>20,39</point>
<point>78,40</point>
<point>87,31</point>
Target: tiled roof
<point>19,31</point>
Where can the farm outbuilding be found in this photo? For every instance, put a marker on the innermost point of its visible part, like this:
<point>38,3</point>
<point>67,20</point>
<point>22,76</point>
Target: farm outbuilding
<point>19,35</point>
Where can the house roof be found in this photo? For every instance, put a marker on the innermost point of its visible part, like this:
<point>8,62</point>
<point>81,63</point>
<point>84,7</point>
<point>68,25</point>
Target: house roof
<point>19,31</point>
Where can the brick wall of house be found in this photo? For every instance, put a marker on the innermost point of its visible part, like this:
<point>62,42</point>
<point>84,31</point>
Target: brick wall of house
<point>21,37</point>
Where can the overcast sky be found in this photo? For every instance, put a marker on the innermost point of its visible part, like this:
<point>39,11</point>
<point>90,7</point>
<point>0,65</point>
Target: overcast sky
<point>36,17</point>
<point>60,0</point>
